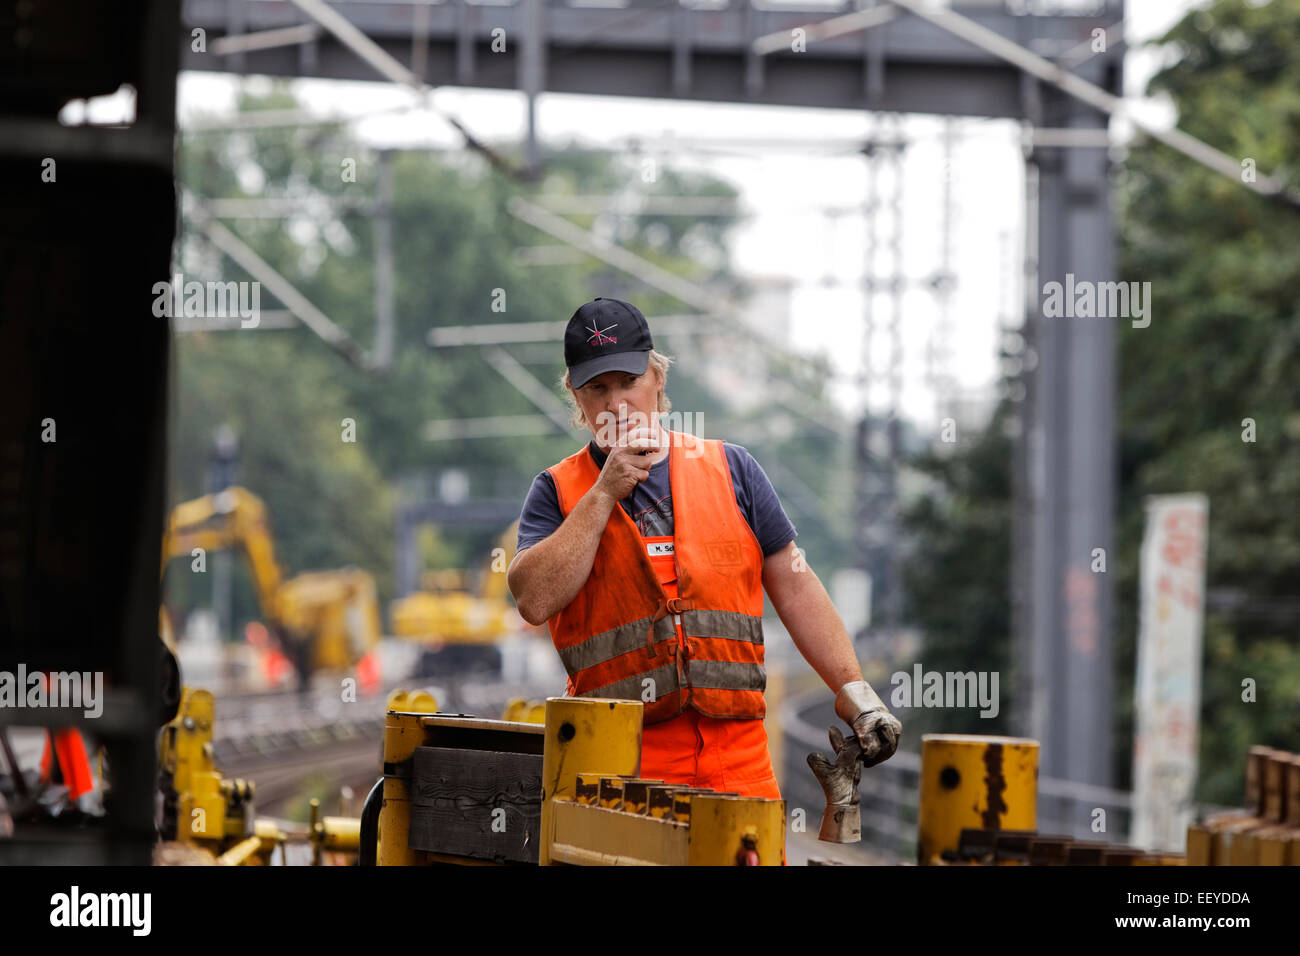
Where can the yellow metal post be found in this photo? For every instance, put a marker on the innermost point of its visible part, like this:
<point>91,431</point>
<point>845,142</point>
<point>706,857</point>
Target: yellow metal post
<point>736,831</point>
<point>402,734</point>
<point>976,782</point>
<point>200,804</point>
<point>241,854</point>
<point>586,734</point>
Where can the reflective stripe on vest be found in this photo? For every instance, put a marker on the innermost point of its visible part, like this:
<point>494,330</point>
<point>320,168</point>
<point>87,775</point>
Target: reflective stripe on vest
<point>721,674</point>
<point>615,642</point>
<point>618,637</point>
<point>632,688</point>
<point>737,627</point>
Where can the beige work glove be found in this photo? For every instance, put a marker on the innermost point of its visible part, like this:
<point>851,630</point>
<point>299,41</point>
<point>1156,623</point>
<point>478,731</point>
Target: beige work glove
<point>842,819</point>
<point>876,728</point>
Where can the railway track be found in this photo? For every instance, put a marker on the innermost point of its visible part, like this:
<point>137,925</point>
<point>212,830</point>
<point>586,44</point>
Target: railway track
<point>284,742</point>
<point>279,780</point>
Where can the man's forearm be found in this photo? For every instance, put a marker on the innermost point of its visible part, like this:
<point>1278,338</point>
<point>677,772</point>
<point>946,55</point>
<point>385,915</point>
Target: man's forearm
<point>819,633</point>
<point>547,576</point>
<point>817,630</point>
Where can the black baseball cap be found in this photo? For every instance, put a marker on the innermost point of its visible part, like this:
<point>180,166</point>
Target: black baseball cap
<point>606,335</point>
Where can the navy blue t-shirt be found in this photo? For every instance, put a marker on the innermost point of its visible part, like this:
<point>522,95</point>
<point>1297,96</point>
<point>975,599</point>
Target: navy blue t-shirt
<point>650,504</point>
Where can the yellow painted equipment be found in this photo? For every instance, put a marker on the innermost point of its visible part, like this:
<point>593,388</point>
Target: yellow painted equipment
<point>594,807</point>
<point>446,612</point>
<point>200,807</point>
<point>334,614</point>
<point>585,735</point>
<point>403,734</point>
<point>413,701</point>
<point>332,834</point>
<point>974,782</point>
<point>979,800</point>
<point>524,711</point>
<point>257,849</point>
<point>597,810</point>
<point>204,811</point>
<point>328,620</point>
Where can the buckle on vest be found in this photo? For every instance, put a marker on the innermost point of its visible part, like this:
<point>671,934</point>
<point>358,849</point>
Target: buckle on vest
<point>677,605</point>
<point>661,612</point>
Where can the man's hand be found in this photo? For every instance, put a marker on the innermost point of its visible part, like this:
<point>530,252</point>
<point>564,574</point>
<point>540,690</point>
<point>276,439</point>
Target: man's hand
<point>626,466</point>
<point>876,729</point>
<point>842,820</point>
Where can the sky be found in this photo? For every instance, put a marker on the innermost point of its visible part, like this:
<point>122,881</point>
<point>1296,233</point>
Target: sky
<point>789,192</point>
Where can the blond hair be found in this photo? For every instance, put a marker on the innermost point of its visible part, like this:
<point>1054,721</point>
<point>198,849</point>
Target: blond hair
<point>658,362</point>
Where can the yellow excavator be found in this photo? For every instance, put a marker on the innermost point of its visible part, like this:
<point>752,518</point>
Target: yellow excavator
<point>461,628</point>
<point>324,620</point>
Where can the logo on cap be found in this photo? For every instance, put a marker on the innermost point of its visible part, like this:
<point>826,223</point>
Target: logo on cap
<point>598,337</point>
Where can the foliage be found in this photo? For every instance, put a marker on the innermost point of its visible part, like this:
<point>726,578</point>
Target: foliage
<point>956,577</point>
<point>1223,346</point>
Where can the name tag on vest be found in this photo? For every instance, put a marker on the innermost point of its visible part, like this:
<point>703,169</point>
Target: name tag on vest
<point>657,549</point>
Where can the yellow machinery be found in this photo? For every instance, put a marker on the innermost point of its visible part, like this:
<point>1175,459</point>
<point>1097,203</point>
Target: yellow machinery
<point>214,815</point>
<point>338,835</point>
<point>335,612</point>
<point>327,620</point>
<point>524,711</point>
<point>979,806</point>
<point>413,701</point>
<point>467,790</point>
<point>200,807</point>
<point>465,626</point>
<point>973,782</point>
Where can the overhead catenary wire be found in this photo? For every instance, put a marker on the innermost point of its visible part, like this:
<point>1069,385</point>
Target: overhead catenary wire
<point>261,270</point>
<point>710,303</point>
<point>1105,101</point>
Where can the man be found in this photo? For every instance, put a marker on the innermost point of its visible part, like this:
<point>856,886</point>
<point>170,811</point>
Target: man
<point>648,552</point>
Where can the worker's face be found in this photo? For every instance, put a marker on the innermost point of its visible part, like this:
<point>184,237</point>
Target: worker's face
<point>607,396</point>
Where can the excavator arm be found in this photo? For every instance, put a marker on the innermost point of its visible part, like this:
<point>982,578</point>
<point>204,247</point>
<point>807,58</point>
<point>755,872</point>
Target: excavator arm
<point>233,518</point>
<point>325,619</point>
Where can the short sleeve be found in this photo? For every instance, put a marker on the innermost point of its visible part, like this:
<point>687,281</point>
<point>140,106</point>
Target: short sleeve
<point>541,512</point>
<point>758,501</point>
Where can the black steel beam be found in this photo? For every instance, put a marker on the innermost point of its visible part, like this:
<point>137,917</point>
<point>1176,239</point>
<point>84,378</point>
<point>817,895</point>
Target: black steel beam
<point>662,50</point>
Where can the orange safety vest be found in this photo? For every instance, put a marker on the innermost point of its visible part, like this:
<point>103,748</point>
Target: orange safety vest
<point>617,638</point>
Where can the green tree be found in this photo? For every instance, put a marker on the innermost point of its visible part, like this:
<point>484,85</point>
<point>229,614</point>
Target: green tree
<point>956,576</point>
<point>1223,346</point>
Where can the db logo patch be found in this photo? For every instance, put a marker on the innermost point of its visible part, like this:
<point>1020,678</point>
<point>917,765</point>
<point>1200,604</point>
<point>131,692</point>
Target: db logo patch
<point>725,554</point>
